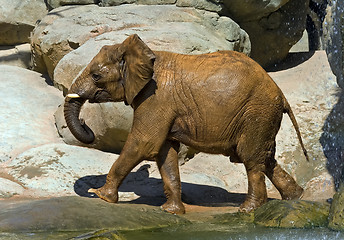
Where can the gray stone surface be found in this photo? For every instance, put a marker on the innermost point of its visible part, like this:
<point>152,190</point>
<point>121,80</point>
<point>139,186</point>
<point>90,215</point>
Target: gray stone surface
<point>53,169</point>
<point>27,107</point>
<point>58,3</point>
<point>9,188</point>
<point>18,55</point>
<point>18,18</point>
<point>164,27</point>
<point>209,5</point>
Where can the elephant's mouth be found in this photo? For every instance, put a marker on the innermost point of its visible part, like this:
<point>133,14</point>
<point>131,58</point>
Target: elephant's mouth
<point>100,96</point>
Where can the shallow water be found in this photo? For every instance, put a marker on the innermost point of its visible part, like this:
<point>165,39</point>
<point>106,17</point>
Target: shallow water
<point>241,234</point>
<point>211,232</point>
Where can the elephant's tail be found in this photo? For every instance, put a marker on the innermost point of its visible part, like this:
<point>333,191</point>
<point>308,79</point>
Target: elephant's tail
<point>287,109</point>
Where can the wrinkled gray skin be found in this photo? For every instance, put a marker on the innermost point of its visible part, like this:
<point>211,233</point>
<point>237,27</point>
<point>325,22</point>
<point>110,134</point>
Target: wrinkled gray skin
<point>220,103</point>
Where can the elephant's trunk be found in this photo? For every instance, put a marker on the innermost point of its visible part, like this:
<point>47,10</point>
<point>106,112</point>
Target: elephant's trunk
<point>80,130</point>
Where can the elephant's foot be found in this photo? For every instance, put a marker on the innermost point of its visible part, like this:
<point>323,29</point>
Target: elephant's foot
<point>105,193</point>
<point>174,207</point>
<point>251,204</point>
<point>294,194</point>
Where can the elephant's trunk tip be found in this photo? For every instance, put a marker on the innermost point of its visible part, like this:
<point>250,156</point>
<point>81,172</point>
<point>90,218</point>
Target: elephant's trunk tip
<point>77,126</point>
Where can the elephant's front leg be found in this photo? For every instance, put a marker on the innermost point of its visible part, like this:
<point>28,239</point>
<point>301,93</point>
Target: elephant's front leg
<point>132,154</point>
<point>168,166</point>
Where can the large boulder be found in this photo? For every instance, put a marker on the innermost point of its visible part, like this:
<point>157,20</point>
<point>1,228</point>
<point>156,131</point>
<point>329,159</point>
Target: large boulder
<point>53,169</point>
<point>68,216</point>
<point>209,5</point>
<point>164,27</point>
<point>18,19</point>
<point>18,55</point>
<point>27,107</point>
<point>274,26</point>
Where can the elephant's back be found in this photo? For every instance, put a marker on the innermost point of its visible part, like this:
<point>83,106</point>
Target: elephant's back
<point>217,78</point>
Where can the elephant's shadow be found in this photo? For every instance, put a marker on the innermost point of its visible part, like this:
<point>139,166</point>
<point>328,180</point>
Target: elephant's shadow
<point>150,190</point>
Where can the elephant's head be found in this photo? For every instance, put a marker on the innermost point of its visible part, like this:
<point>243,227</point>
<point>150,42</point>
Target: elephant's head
<point>117,73</point>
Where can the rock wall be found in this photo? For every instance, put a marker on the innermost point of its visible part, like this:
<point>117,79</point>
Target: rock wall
<point>274,26</point>
<point>183,30</point>
<point>18,19</point>
<point>332,38</point>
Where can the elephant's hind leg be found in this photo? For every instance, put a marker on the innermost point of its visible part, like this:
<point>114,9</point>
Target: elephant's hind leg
<point>168,166</point>
<point>284,183</point>
<point>254,155</point>
<point>256,195</point>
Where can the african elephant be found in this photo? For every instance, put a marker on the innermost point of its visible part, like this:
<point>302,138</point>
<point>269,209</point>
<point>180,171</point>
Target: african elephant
<point>218,103</point>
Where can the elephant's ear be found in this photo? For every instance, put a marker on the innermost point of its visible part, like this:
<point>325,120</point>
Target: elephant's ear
<point>139,61</point>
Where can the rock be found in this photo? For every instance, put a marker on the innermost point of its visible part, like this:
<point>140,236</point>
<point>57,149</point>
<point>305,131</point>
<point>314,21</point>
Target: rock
<point>209,5</point>
<point>107,3</point>
<point>213,180</point>
<point>19,55</point>
<point>214,6</point>
<point>183,30</point>
<point>336,216</point>
<point>53,169</point>
<point>252,9</point>
<point>274,26</point>
<point>292,214</point>
<point>18,19</point>
<point>320,187</point>
<point>302,45</point>
<point>68,214</point>
<point>58,3</point>
<point>27,107</point>
<point>332,37</point>
<point>9,188</point>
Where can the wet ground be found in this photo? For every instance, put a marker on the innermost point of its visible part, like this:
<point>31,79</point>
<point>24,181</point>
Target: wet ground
<point>85,218</point>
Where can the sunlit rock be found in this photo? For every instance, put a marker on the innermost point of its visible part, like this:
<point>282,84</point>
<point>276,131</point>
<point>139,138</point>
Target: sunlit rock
<point>18,18</point>
<point>27,107</point>
<point>163,27</point>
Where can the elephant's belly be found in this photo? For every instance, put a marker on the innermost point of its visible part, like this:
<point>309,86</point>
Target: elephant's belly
<point>207,142</point>
<point>226,149</point>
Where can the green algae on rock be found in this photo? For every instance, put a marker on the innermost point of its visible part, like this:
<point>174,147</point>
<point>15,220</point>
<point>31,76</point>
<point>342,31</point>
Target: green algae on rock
<point>336,216</point>
<point>292,214</point>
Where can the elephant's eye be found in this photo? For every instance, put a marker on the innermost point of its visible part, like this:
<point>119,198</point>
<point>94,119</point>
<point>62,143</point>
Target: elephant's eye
<point>96,76</point>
